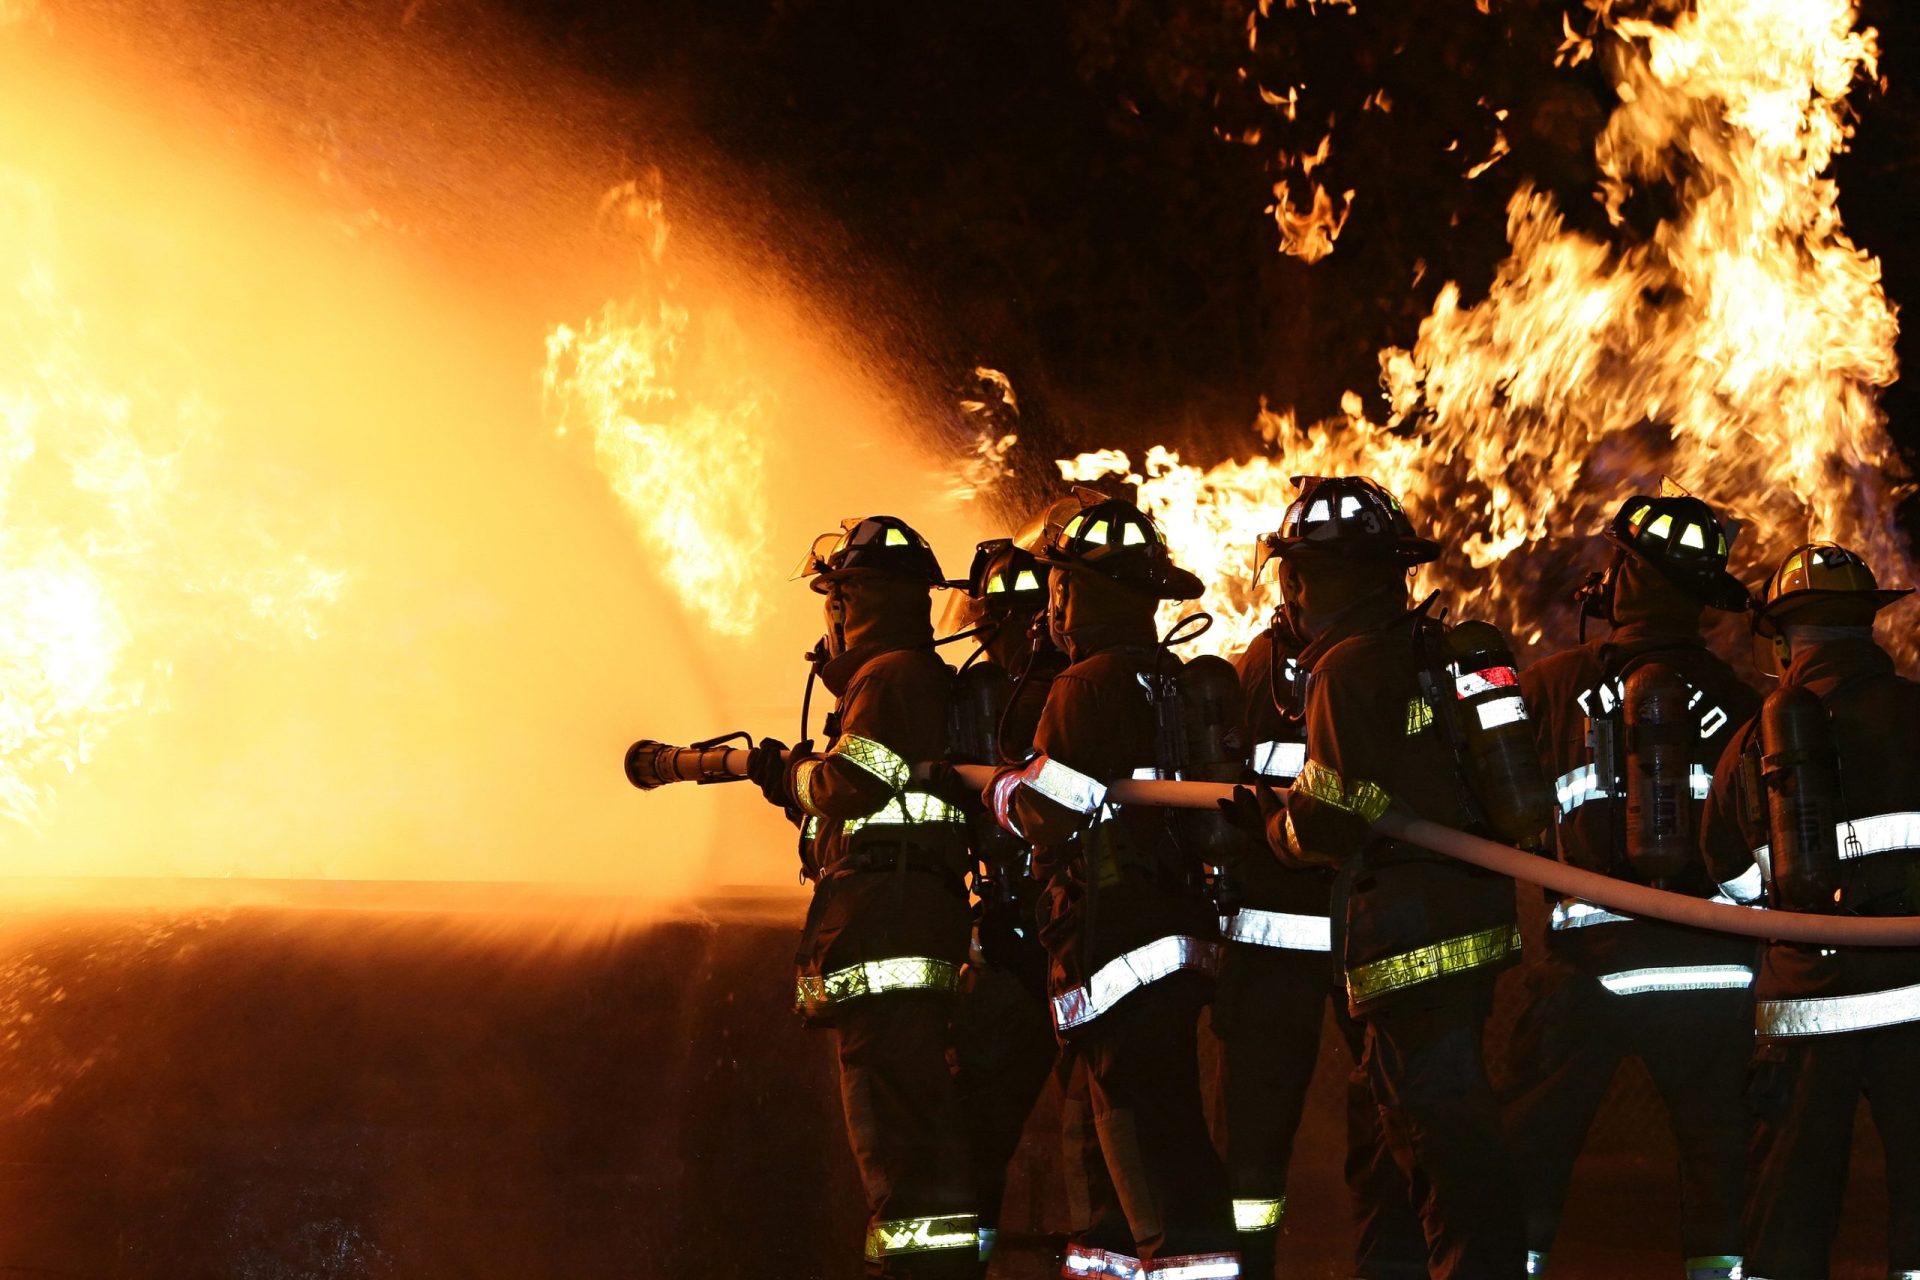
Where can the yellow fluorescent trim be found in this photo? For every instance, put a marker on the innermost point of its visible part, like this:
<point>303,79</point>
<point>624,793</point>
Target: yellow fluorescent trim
<point>921,1235</point>
<point>877,758</point>
<point>1436,960</point>
<point>1419,715</point>
<point>1368,799</point>
<point>803,788</point>
<point>816,992</point>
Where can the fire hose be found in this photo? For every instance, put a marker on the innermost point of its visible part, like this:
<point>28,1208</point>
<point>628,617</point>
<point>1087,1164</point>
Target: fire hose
<point>653,764</point>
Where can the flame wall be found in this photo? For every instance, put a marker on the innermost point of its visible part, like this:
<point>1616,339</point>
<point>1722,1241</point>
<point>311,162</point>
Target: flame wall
<point>379,622</point>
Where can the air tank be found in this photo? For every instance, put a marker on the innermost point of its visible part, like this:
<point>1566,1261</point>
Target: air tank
<point>1501,758</point>
<point>1661,732</point>
<point>1212,748</point>
<point>980,695</point>
<point>1801,769</point>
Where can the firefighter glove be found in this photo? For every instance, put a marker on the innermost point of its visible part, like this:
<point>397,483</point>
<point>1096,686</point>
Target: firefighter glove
<point>771,769</point>
<point>943,780</point>
<point>1249,811</point>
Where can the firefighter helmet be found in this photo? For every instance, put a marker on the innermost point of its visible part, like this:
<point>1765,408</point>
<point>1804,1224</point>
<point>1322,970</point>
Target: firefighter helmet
<point>1116,539</point>
<point>1682,539</point>
<point>1005,578</point>
<point>1816,573</point>
<point>1348,518</point>
<point>871,544</point>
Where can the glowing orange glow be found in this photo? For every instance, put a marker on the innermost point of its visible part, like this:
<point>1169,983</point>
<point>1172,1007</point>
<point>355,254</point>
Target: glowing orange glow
<point>677,427</point>
<point>1738,349</point>
<point>109,563</point>
<point>293,579</point>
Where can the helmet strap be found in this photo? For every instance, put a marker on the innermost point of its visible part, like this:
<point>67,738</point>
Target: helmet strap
<point>1595,595</point>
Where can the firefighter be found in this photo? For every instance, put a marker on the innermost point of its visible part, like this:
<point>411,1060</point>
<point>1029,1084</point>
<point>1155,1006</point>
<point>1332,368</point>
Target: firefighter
<point>886,932</point>
<point>1130,931</point>
<point>1420,938</point>
<point>1612,986</point>
<point>1814,803</point>
<point>1004,1048</point>
<point>1277,977</point>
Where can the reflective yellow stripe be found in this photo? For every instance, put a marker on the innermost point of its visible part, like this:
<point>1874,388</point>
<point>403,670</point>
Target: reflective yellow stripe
<point>1419,716</point>
<point>1727,1266</point>
<point>1367,799</point>
<point>874,977</point>
<point>877,758</point>
<point>1258,1215</point>
<point>922,1235</point>
<point>803,786</point>
<point>1436,960</point>
<point>909,809</point>
<point>1066,787</point>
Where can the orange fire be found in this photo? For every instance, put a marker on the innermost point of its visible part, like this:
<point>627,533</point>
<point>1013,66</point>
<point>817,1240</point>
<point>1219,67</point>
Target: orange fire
<point>676,422</point>
<point>112,559</point>
<point>1738,349</point>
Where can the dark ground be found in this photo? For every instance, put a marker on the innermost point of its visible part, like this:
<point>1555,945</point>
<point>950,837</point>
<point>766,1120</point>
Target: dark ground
<point>455,1081</point>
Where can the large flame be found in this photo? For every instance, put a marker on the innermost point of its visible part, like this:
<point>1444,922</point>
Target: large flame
<point>677,423</point>
<point>113,558</point>
<point>259,331</point>
<point>1738,348</point>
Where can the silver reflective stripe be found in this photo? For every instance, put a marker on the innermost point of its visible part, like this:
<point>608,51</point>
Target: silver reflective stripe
<point>1279,759</point>
<point>1123,975</point>
<point>1745,888</point>
<point>1536,1263</point>
<point>1068,787</point>
<point>1715,1267</point>
<point>1282,929</point>
<point>1863,837</point>
<point>1829,1015</point>
<point>1678,977</point>
<point>1571,913</point>
<point>1082,1261</point>
<point>1577,787</point>
<point>1193,1266</point>
<point>1146,773</point>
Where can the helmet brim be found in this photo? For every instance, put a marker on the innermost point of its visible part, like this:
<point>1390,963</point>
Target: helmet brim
<point>1774,610</point>
<point>1165,582</point>
<point>819,582</point>
<point>1717,590</point>
<point>1406,552</point>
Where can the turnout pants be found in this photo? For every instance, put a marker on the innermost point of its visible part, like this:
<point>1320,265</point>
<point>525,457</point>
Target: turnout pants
<point>1439,1120</point>
<point>1141,1073</point>
<point>1268,1013</point>
<point>1004,1050</point>
<point>1804,1091</point>
<point>905,1124</point>
<point>1571,1039</point>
